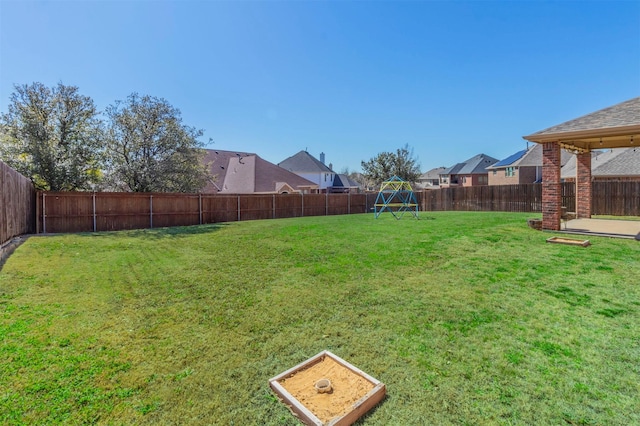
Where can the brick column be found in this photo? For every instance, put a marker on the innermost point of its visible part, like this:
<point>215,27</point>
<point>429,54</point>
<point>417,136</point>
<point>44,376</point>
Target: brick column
<point>551,190</point>
<point>583,185</point>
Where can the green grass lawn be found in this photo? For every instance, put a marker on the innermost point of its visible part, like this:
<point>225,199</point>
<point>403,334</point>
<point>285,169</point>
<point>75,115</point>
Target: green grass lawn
<point>468,318</point>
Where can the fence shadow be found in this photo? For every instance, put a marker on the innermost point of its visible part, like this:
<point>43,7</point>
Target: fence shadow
<point>162,233</point>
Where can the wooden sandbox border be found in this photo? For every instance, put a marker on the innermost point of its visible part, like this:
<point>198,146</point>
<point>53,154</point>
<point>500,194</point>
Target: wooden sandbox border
<point>569,241</point>
<point>360,407</point>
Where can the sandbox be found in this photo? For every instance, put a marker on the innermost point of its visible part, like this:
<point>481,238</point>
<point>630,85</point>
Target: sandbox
<point>570,241</point>
<point>326,390</point>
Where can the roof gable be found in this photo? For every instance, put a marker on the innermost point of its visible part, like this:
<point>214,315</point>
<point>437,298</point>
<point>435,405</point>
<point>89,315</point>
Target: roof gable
<point>243,173</point>
<point>344,181</point>
<point>433,173</point>
<point>269,175</point>
<point>453,170</point>
<point>474,165</point>
<point>218,161</point>
<point>303,162</point>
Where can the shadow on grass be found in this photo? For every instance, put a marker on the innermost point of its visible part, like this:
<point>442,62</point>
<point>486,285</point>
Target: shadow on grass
<point>9,247</point>
<point>161,233</point>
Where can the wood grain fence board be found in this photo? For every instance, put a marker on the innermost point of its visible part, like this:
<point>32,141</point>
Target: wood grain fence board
<point>256,207</point>
<point>17,204</point>
<point>314,204</point>
<point>220,208</point>
<point>289,205</point>
<point>122,211</point>
<point>338,204</point>
<point>617,198</point>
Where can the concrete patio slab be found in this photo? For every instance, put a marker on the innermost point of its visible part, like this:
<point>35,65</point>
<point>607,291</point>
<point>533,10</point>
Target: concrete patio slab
<point>603,227</point>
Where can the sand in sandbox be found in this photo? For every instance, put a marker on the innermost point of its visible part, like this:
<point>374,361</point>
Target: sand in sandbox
<point>348,387</point>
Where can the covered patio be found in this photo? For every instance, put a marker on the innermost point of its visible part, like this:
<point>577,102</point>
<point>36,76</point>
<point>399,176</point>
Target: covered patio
<point>617,126</point>
<point>603,227</point>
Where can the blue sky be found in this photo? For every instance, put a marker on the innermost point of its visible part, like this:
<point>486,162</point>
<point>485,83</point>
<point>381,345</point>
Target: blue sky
<point>347,78</point>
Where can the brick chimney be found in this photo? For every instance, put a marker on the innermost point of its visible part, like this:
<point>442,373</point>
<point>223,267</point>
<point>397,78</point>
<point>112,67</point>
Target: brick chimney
<point>322,157</point>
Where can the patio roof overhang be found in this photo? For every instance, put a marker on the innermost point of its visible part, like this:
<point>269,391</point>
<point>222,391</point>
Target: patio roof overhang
<point>587,140</point>
<point>617,126</point>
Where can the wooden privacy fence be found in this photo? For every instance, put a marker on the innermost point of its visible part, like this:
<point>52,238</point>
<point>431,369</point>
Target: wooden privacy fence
<point>510,198</point>
<point>616,198</point>
<point>17,204</point>
<point>60,212</point>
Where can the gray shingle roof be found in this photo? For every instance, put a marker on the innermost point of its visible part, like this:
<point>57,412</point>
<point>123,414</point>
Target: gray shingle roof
<point>344,181</point>
<point>432,174</point>
<point>303,162</point>
<point>533,157</point>
<point>615,162</point>
<point>623,114</point>
<point>474,165</point>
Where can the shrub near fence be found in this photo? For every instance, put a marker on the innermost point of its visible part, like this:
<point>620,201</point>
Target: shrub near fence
<point>17,204</point>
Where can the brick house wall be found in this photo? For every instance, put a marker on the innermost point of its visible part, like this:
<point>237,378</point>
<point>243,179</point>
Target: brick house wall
<point>500,177</point>
<point>473,180</point>
<point>526,174</point>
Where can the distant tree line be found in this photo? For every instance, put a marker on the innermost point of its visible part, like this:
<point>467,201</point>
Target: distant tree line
<point>57,138</point>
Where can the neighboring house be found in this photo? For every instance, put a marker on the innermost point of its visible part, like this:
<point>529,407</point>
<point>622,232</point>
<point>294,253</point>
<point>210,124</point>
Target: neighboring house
<point>430,179</point>
<point>472,172</point>
<point>247,173</point>
<point>305,165</point>
<point>343,184</point>
<point>522,167</point>
<point>613,164</point>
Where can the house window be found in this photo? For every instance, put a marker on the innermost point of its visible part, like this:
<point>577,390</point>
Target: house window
<point>464,179</point>
<point>509,172</point>
<point>482,180</point>
<point>495,172</point>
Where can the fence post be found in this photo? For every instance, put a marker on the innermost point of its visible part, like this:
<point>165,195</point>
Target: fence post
<point>94,210</point>
<point>44,213</point>
<point>151,211</point>
<point>200,207</point>
<point>274,206</point>
<point>326,203</point>
<point>302,195</point>
<point>349,202</point>
<point>238,208</point>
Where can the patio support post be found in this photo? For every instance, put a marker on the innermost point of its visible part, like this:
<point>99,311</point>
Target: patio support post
<point>583,185</point>
<point>551,190</point>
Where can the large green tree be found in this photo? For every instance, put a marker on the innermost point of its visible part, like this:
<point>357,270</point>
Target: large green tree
<point>385,165</point>
<point>52,136</point>
<point>150,150</point>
